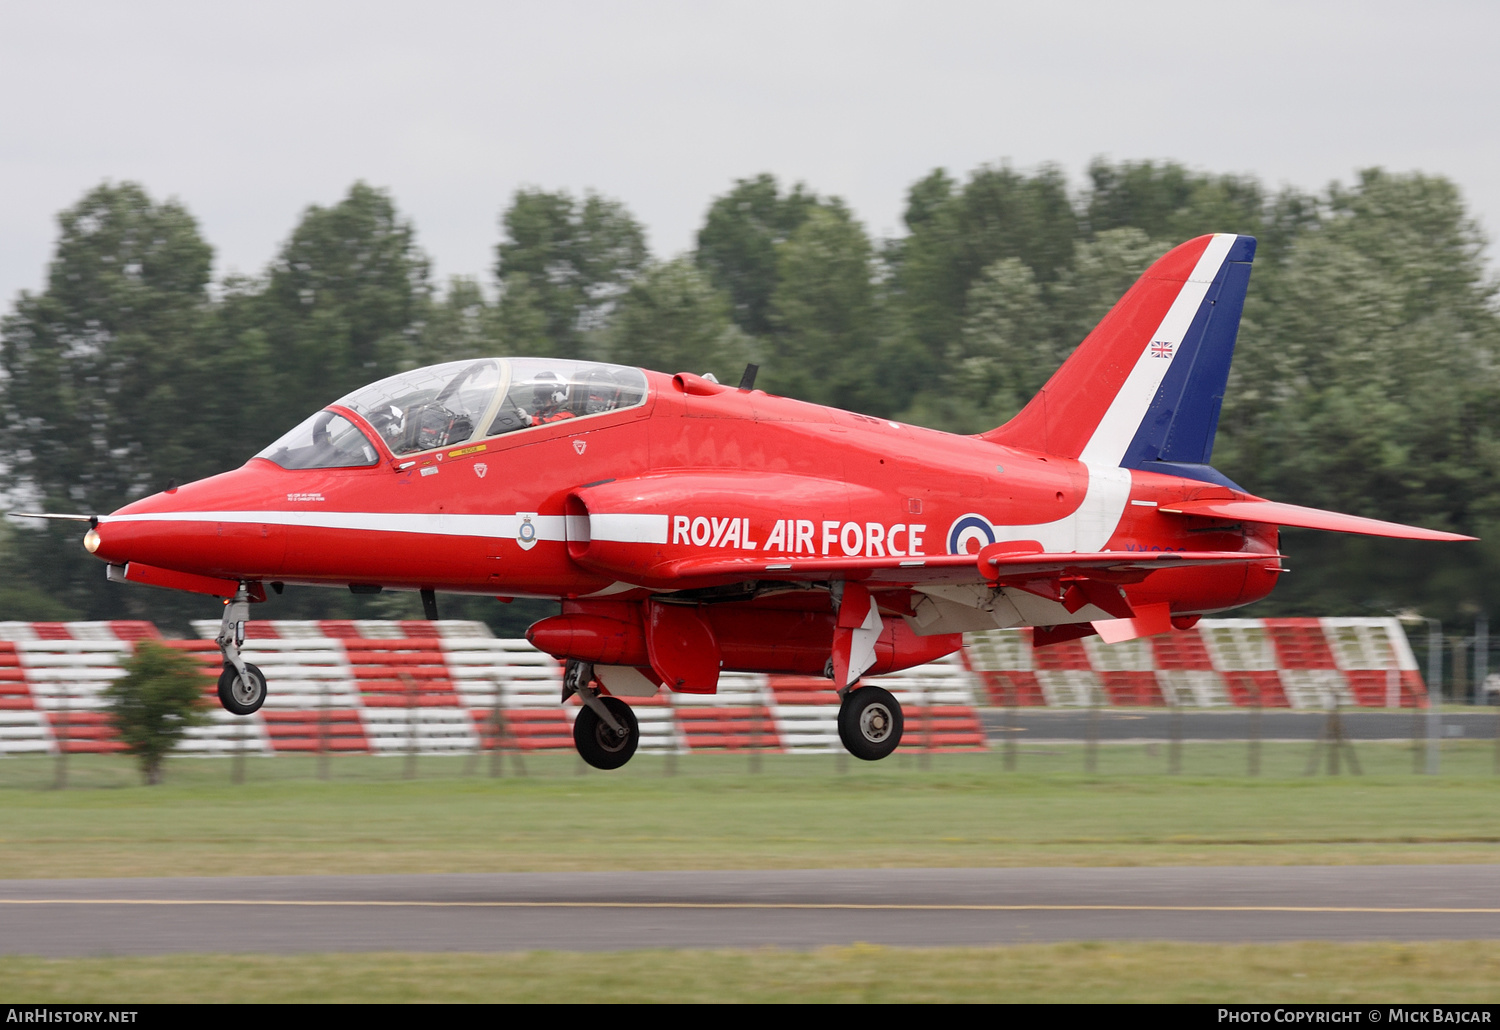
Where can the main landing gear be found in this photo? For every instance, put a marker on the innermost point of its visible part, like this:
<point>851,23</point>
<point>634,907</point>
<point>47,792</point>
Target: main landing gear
<point>242,687</point>
<point>870,722</point>
<point>606,732</point>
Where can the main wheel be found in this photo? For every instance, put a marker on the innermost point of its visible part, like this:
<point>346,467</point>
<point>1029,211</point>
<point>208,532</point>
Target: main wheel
<point>238,696</point>
<point>870,723</point>
<point>599,745</point>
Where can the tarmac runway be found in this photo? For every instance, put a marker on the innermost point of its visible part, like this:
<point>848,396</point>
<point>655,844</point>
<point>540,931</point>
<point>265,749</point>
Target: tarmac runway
<point>608,911</point>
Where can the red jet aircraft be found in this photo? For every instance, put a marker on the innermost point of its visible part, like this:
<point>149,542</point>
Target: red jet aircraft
<point>688,527</point>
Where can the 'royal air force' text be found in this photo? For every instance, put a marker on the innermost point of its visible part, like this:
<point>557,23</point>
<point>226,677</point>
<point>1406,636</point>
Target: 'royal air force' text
<point>803,536</point>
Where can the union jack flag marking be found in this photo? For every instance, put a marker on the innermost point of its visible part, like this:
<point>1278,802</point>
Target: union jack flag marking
<point>1161,349</point>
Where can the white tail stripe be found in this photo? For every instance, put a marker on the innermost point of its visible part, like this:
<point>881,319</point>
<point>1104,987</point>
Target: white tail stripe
<point>1120,423</point>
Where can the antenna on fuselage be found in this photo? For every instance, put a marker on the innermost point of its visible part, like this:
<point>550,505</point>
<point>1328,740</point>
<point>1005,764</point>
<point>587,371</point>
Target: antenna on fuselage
<point>747,381</point>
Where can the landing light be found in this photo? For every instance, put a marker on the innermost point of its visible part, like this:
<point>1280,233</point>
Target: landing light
<point>91,541</point>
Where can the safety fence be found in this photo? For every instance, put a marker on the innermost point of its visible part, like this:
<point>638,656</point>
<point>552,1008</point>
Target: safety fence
<point>1270,663</point>
<point>383,687</point>
<point>394,687</point>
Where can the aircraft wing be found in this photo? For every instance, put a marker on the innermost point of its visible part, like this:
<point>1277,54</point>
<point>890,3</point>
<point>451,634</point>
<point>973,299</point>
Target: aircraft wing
<point>1277,514</point>
<point>948,568</point>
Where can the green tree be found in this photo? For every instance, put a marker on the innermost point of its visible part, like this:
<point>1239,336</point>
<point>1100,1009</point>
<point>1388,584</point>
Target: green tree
<point>344,304</point>
<point>461,325</point>
<point>1102,270</point>
<point>1002,357</point>
<point>100,366</point>
<point>154,704</point>
<point>823,311</point>
<point>737,246</point>
<point>99,370</point>
<point>1365,381</point>
<point>673,320</point>
<point>1169,203</point>
<point>956,233</point>
<point>562,267</point>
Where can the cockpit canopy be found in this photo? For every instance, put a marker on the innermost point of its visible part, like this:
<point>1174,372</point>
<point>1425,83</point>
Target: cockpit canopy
<point>454,403</point>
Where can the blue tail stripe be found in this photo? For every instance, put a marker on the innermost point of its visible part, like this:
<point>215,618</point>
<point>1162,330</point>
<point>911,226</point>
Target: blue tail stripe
<point>1180,424</point>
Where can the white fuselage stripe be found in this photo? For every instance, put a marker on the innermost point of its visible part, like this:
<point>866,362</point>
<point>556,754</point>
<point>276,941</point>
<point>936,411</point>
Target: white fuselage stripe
<point>621,528</point>
<point>629,529</point>
<point>1121,422</point>
<point>548,527</point>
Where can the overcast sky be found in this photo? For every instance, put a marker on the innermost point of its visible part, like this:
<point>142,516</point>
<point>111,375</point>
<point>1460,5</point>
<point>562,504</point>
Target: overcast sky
<point>248,113</point>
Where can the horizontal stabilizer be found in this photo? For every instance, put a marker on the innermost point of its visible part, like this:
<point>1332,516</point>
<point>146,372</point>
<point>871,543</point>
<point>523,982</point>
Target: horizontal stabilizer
<point>1275,513</point>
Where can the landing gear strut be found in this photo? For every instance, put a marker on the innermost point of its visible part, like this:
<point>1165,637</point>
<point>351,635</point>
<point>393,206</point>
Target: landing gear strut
<point>606,732</point>
<point>870,723</point>
<point>242,687</point>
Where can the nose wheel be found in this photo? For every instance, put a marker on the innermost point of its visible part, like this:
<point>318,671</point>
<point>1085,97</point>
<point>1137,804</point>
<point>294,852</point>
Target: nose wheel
<point>870,723</point>
<point>242,694</point>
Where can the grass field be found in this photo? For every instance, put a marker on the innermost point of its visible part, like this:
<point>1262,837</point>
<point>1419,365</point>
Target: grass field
<point>796,812</point>
<point>715,812</point>
<point>1451,972</point>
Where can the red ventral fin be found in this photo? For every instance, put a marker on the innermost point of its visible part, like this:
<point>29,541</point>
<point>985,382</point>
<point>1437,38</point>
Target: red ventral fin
<point>1105,596</point>
<point>1149,620</point>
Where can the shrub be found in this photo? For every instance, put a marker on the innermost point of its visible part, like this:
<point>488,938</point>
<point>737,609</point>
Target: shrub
<point>154,703</point>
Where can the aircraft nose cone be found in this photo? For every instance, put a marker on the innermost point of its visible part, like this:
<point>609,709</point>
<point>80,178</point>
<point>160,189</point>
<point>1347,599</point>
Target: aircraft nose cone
<point>208,528</point>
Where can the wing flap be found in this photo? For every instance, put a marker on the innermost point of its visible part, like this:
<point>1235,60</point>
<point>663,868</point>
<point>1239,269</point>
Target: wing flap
<point>1278,514</point>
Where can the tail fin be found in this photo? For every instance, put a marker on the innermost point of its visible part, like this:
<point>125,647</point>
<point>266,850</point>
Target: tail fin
<point>1143,390</point>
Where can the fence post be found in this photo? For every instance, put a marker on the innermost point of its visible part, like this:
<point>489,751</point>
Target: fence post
<point>1010,725</point>
<point>324,716</point>
<point>1174,747</point>
<point>1255,710</point>
<point>60,731</point>
<point>757,709</point>
<point>410,685</point>
<point>497,740</point>
<point>924,695</point>
<point>1091,747</point>
<point>239,741</point>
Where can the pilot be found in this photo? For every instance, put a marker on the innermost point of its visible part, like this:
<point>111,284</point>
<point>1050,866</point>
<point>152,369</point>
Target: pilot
<point>549,395</point>
<point>390,422</point>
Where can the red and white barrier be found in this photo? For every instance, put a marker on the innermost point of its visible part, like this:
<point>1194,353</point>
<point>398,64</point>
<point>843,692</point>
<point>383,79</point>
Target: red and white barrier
<point>385,687</point>
<point>1274,663</point>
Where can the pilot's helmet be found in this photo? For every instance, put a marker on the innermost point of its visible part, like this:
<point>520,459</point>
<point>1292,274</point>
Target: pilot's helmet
<point>547,391</point>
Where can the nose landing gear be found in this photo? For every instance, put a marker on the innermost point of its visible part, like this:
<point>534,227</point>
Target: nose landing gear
<point>242,686</point>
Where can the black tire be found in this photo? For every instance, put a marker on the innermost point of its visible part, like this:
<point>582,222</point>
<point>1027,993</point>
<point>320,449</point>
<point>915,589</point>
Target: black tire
<point>597,744</point>
<point>238,697</point>
<point>870,723</point>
